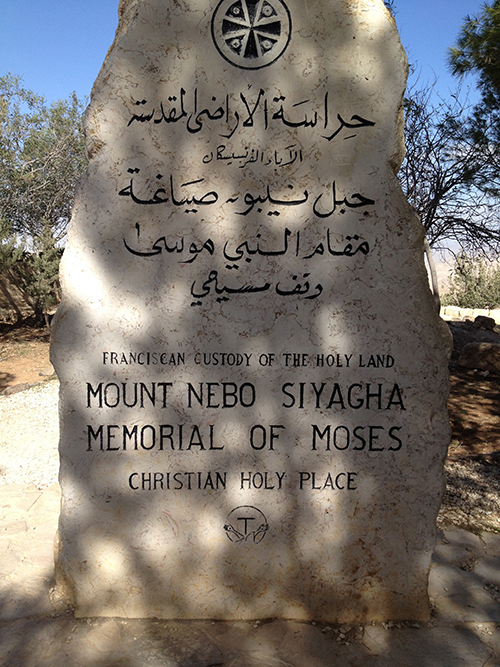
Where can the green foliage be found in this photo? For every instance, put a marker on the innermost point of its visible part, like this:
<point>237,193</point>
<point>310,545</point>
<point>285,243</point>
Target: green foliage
<point>10,249</point>
<point>475,283</point>
<point>42,155</point>
<point>478,51</point>
<point>44,266</point>
<point>36,273</point>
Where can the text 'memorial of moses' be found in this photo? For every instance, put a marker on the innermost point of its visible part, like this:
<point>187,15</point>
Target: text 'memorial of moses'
<point>253,371</point>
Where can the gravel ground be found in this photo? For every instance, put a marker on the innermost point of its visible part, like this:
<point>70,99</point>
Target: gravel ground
<point>29,436</point>
<point>28,454</point>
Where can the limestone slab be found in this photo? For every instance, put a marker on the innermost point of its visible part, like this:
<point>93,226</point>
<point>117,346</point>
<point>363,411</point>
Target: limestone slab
<point>464,538</point>
<point>489,570</point>
<point>460,597</point>
<point>435,646</point>
<point>492,543</point>
<point>252,369</point>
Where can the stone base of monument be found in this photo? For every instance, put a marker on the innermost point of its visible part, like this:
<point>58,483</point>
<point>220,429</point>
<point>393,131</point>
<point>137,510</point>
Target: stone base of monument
<point>186,570</point>
<point>253,372</point>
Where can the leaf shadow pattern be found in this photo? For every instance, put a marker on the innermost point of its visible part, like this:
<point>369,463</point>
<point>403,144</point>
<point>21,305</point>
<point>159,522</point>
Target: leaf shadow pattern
<point>163,565</point>
<point>37,630</point>
<point>5,380</point>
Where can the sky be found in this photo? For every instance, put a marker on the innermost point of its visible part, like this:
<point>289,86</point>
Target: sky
<point>58,46</point>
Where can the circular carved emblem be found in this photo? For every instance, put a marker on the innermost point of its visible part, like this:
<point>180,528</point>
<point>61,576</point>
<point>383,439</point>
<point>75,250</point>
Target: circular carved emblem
<point>246,524</point>
<point>251,33</point>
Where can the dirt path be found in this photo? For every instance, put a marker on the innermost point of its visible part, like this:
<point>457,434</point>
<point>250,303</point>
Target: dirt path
<point>24,355</point>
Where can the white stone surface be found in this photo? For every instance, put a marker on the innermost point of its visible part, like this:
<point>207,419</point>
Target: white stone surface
<point>251,212</point>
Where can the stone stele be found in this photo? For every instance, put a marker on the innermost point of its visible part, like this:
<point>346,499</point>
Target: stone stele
<point>253,371</point>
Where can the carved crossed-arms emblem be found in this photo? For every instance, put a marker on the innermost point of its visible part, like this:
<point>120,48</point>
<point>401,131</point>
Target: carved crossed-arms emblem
<point>251,33</point>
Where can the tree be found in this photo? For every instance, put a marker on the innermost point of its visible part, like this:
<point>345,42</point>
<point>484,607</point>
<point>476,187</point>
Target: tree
<point>475,283</point>
<point>448,174</point>
<point>11,251</point>
<point>478,51</point>
<point>42,155</point>
<point>36,274</point>
<point>451,172</point>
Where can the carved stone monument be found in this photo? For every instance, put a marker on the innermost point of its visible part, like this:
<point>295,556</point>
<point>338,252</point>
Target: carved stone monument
<point>253,371</point>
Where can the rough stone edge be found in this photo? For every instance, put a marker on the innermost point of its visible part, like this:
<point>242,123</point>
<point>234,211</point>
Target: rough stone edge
<point>128,11</point>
